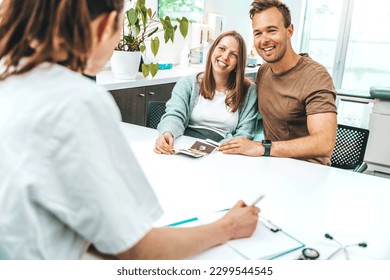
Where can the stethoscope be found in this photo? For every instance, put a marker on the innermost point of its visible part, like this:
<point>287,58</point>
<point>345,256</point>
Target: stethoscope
<point>313,254</point>
<point>309,254</point>
<point>343,247</point>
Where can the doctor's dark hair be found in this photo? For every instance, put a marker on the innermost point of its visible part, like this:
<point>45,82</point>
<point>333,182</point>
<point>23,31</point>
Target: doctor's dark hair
<point>259,6</point>
<point>238,84</point>
<point>36,29</point>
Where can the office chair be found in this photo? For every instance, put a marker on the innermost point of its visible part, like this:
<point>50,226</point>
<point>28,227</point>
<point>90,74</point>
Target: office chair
<point>351,143</point>
<point>154,113</point>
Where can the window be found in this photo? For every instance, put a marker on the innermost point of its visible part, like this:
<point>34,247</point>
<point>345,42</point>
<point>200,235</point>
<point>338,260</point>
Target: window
<point>191,9</point>
<point>350,38</point>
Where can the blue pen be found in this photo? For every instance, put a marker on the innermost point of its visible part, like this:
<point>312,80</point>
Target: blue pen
<point>182,222</point>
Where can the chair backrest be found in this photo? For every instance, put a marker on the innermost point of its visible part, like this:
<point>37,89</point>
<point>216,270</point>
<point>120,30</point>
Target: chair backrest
<point>155,111</point>
<point>351,143</point>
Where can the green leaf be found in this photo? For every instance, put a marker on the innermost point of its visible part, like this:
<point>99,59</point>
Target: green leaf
<point>153,69</point>
<point>137,30</point>
<point>140,3</point>
<point>142,48</point>
<point>166,36</point>
<point>155,45</point>
<point>144,15</point>
<point>126,38</point>
<point>145,70</point>
<point>169,34</point>
<point>168,21</point>
<point>173,33</point>
<point>183,26</point>
<point>131,16</point>
<point>163,23</point>
<point>154,31</point>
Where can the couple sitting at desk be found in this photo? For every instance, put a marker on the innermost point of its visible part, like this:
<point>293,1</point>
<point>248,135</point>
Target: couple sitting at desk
<point>296,96</point>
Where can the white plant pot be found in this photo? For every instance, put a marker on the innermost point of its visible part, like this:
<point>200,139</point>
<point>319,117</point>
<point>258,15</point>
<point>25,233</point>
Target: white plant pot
<point>124,65</point>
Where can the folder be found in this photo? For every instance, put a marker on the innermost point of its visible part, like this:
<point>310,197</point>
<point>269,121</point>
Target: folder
<point>268,242</point>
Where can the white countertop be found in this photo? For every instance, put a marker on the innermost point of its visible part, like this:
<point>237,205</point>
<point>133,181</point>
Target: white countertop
<point>107,79</point>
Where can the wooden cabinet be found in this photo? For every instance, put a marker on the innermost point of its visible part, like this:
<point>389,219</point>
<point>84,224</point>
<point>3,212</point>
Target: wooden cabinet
<point>159,92</point>
<point>132,102</point>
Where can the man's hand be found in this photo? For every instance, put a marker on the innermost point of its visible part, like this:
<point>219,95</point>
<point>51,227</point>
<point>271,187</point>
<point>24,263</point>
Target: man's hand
<point>242,146</point>
<point>164,144</point>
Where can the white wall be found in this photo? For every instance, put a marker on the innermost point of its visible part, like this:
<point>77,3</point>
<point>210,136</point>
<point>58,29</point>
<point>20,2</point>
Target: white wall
<point>236,13</point>
<point>297,17</point>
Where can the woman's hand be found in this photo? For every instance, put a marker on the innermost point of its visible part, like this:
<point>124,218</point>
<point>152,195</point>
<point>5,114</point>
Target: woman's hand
<point>164,144</point>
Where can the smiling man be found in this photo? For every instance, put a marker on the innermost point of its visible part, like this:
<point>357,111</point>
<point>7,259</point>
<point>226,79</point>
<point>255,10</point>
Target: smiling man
<point>296,95</point>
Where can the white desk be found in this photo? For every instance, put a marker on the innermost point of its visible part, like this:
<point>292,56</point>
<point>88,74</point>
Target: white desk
<point>306,200</point>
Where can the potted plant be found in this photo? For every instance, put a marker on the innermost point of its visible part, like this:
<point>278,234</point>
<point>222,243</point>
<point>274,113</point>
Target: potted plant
<point>140,29</point>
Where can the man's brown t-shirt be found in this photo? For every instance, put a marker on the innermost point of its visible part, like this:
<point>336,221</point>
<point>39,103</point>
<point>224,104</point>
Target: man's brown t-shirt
<point>286,99</point>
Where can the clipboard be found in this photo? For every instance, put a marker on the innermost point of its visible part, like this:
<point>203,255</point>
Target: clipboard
<point>268,242</point>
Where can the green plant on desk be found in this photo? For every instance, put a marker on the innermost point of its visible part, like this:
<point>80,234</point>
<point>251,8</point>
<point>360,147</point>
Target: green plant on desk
<point>142,25</point>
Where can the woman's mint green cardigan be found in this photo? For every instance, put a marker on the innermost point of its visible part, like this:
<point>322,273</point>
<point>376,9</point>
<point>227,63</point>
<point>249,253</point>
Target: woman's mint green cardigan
<point>182,102</point>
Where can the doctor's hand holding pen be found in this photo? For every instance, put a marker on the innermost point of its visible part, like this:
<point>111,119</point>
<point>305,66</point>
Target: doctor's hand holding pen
<point>173,242</point>
<point>241,220</point>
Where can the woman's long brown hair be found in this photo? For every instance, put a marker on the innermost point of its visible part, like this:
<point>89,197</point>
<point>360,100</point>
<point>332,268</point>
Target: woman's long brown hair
<point>238,84</point>
<point>32,31</point>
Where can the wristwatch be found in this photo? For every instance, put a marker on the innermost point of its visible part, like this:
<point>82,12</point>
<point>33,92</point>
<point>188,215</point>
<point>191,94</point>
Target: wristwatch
<point>267,147</point>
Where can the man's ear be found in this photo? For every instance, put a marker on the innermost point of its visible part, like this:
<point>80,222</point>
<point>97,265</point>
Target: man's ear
<point>290,30</point>
<point>105,25</point>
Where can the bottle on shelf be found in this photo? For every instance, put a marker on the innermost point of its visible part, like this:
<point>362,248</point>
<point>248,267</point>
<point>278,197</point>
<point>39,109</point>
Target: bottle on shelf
<point>185,57</point>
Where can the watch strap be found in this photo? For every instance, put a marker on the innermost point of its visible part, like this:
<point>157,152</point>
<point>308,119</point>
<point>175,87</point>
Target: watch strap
<point>267,147</point>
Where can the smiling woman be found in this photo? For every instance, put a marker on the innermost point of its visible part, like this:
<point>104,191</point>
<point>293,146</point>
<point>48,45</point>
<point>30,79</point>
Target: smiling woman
<point>218,104</point>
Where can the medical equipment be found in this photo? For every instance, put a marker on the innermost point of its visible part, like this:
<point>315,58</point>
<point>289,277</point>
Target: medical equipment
<point>343,247</point>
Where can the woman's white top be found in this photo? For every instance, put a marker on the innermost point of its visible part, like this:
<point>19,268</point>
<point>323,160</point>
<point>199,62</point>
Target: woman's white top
<point>67,174</point>
<point>214,115</point>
